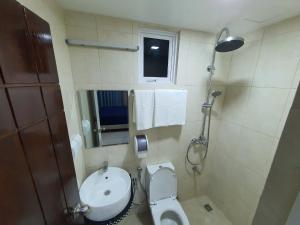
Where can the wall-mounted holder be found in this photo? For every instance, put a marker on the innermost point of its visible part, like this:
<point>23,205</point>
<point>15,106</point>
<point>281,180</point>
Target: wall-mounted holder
<point>141,145</point>
<point>98,44</point>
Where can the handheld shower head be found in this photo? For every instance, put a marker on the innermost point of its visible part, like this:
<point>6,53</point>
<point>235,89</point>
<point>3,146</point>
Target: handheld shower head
<point>215,94</point>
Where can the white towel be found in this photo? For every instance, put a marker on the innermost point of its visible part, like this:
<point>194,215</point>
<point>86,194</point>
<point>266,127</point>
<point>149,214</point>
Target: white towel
<point>170,107</point>
<point>143,109</point>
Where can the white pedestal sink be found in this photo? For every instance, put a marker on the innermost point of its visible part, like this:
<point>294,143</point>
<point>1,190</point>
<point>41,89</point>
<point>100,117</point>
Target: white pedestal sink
<point>106,193</point>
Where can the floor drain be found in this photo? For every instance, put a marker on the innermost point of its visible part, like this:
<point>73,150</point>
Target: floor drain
<point>208,208</point>
<point>107,192</point>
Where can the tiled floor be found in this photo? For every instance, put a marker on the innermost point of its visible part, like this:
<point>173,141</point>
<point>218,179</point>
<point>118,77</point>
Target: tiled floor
<point>194,209</point>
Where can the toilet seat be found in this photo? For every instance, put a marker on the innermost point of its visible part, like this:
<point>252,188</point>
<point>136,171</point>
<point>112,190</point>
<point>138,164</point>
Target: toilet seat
<point>168,212</point>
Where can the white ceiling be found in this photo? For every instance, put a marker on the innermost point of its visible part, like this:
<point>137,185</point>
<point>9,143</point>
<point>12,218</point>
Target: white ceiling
<point>206,15</point>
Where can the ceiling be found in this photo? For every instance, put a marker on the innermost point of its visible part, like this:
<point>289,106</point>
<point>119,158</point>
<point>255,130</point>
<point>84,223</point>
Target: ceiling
<point>241,16</point>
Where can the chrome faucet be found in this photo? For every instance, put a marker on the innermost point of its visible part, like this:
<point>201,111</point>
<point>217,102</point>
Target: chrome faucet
<point>105,166</point>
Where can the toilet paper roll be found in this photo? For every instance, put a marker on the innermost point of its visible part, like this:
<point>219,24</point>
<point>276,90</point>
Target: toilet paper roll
<point>141,145</point>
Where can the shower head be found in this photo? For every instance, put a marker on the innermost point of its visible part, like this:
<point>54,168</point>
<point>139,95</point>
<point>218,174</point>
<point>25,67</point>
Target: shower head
<point>216,93</point>
<point>229,44</point>
<point>224,43</point>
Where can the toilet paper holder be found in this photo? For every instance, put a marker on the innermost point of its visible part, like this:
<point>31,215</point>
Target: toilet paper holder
<point>141,145</point>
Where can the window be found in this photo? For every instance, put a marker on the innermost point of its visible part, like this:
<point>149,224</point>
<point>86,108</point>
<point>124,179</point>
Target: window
<point>157,58</point>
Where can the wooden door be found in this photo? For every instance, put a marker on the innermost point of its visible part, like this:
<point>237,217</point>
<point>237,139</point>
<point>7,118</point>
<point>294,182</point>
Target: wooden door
<point>19,203</point>
<point>37,176</point>
<point>41,157</point>
<point>41,36</point>
<point>17,59</point>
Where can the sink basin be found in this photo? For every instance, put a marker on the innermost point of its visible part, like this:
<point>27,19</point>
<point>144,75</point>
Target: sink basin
<point>106,193</point>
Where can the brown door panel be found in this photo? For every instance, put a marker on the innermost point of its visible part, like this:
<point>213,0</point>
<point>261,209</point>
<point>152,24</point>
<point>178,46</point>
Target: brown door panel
<point>41,157</point>
<point>42,39</point>
<point>52,99</point>
<point>60,137</point>
<point>17,58</point>
<point>19,204</point>
<point>27,103</point>
<point>62,148</point>
<point>7,124</point>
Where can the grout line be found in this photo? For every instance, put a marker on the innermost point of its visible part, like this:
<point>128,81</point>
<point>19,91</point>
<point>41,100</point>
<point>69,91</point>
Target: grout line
<point>257,60</point>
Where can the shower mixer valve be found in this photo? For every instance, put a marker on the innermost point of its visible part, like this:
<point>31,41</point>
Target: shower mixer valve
<point>211,68</point>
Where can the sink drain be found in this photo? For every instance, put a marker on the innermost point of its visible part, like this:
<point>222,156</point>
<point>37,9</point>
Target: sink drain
<point>107,192</point>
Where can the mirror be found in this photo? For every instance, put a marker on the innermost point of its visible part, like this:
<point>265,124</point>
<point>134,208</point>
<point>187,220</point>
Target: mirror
<point>104,117</point>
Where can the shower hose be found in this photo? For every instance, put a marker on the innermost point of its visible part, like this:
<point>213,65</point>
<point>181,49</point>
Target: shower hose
<point>202,141</point>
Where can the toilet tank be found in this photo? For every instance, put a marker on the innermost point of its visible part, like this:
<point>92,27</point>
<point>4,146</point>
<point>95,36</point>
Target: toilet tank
<point>161,182</point>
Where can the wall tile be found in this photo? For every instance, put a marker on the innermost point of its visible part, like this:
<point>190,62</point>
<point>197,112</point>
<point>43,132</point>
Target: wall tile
<point>235,103</point>
<point>80,19</point>
<point>228,139</point>
<point>198,60</point>
<point>117,38</point>
<point>264,109</point>
<point>243,64</point>
<point>278,61</point>
<point>95,157</point>
<point>81,33</point>
<point>114,24</point>
<point>118,66</point>
<point>286,111</point>
<point>254,151</point>
<point>89,71</point>
<point>194,36</point>
<point>286,26</point>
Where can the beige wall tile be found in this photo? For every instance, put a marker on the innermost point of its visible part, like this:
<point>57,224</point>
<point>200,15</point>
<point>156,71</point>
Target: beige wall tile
<point>89,71</point>
<point>235,104</point>
<point>286,111</point>
<point>278,61</point>
<point>197,62</point>
<point>286,26</point>
<point>117,38</point>
<point>80,19</point>
<point>81,33</point>
<point>118,67</point>
<point>114,24</point>
<point>254,151</point>
<point>264,109</point>
<point>243,64</point>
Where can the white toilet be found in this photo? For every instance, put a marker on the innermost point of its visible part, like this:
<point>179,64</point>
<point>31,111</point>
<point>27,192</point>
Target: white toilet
<point>161,187</point>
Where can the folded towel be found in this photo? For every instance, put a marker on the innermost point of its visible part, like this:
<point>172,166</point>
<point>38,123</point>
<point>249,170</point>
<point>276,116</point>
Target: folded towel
<point>143,109</point>
<point>170,107</point>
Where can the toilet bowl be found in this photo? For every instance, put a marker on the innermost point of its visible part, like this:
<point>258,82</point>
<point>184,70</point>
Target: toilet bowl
<point>161,187</point>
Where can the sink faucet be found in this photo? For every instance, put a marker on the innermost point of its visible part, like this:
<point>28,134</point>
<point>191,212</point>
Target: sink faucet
<point>105,166</point>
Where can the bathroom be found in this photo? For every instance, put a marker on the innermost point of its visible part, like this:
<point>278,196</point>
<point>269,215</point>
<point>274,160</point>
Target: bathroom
<point>245,172</point>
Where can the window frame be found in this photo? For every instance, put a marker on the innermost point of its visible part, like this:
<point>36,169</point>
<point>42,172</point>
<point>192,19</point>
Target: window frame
<point>172,37</point>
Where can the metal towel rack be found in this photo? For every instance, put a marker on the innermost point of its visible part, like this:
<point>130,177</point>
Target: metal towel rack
<point>97,44</point>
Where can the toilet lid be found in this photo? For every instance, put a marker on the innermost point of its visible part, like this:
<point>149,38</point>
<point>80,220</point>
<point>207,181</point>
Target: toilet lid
<point>163,184</point>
